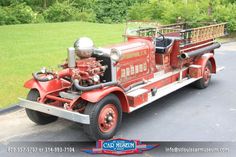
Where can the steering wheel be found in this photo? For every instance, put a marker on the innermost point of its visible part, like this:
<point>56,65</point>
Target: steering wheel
<point>43,77</point>
<point>162,39</point>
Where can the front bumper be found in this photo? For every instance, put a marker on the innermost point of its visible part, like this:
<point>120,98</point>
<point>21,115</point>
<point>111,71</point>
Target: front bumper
<point>55,111</point>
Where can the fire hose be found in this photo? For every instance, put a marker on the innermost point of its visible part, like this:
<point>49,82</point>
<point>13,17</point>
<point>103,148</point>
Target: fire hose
<point>43,79</point>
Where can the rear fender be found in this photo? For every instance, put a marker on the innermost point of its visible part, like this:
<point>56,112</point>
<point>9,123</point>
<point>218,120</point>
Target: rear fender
<point>95,96</point>
<point>47,87</point>
<point>203,61</point>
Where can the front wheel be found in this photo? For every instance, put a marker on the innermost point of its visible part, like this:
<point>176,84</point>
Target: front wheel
<point>105,118</point>
<point>35,116</point>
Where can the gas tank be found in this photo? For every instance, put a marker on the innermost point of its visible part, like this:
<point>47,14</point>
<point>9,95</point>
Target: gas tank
<point>137,61</point>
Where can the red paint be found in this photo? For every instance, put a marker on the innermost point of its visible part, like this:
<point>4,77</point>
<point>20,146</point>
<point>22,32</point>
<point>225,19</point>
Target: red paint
<point>203,61</point>
<point>206,74</point>
<point>138,62</point>
<point>108,117</point>
<point>138,100</point>
<point>45,88</point>
<point>195,72</point>
<point>58,98</point>
<point>96,95</point>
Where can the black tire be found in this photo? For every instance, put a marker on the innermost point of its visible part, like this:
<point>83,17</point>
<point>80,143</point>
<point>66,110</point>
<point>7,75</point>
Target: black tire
<point>35,116</point>
<point>202,83</point>
<point>94,111</point>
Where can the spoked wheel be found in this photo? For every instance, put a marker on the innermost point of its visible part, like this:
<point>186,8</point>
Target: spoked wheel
<point>108,117</point>
<point>205,81</point>
<point>35,116</point>
<point>105,118</point>
<point>207,75</point>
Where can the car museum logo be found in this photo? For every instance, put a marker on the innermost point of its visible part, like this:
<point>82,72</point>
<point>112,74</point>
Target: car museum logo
<point>119,147</point>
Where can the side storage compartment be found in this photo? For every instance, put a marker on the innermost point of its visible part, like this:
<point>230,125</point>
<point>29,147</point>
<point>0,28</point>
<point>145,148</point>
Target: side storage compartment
<point>137,97</point>
<point>195,71</point>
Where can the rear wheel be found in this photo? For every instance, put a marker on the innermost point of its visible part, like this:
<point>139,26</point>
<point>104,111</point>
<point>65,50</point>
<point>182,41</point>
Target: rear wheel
<point>105,118</point>
<point>35,116</point>
<point>205,81</point>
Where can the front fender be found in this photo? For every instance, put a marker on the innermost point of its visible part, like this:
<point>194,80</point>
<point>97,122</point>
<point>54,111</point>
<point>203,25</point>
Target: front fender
<point>203,61</point>
<point>95,96</point>
<point>47,87</point>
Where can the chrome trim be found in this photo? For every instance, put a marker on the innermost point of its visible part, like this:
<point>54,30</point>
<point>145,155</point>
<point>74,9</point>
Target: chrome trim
<point>113,71</point>
<point>71,57</point>
<point>55,111</point>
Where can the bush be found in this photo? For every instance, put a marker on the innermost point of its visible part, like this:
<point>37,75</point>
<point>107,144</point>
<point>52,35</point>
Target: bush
<point>108,11</point>
<point>39,18</point>
<point>89,16</point>
<point>141,11</point>
<point>113,11</point>
<point>226,13</point>
<point>22,12</point>
<point>59,12</point>
<point>3,16</point>
<point>167,12</point>
<point>16,14</point>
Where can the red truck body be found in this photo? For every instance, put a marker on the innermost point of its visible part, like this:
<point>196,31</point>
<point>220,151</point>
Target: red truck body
<point>150,64</point>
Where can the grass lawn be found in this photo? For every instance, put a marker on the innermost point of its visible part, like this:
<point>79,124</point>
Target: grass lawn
<point>26,48</point>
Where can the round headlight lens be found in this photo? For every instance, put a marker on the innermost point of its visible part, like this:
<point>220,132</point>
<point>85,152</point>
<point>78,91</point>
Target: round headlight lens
<point>115,54</point>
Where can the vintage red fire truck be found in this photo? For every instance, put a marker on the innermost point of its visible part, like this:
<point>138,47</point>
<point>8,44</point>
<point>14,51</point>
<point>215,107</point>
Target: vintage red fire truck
<point>96,85</point>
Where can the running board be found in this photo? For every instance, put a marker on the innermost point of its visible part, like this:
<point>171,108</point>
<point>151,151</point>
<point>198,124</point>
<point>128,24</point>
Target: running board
<point>161,92</point>
<point>55,111</point>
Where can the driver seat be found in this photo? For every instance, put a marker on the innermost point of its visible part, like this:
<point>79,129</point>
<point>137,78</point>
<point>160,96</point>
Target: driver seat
<point>163,46</point>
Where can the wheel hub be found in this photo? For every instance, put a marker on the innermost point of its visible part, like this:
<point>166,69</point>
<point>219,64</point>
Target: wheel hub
<point>108,118</point>
<point>207,75</point>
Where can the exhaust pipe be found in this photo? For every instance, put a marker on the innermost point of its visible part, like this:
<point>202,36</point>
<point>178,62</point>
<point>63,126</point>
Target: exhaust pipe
<point>199,51</point>
<point>71,57</point>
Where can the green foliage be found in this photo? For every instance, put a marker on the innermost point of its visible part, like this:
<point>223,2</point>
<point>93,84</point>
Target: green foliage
<point>59,12</point>
<point>87,15</point>
<point>141,11</point>
<point>39,18</point>
<point>226,13</point>
<point>3,16</point>
<point>117,11</point>
<point>108,11</point>
<point>16,14</point>
<point>23,13</point>
<point>167,11</point>
<point>83,5</point>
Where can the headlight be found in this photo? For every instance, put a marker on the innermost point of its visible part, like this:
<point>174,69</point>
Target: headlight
<point>115,54</point>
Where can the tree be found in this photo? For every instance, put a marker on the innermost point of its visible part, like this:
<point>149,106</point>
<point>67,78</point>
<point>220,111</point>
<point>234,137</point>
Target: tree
<point>109,11</point>
<point>83,5</point>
